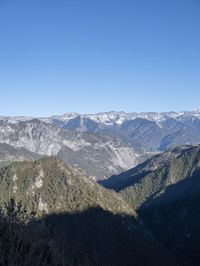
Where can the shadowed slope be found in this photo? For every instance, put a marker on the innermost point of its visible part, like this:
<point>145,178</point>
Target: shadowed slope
<point>166,193</point>
<point>86,223</point>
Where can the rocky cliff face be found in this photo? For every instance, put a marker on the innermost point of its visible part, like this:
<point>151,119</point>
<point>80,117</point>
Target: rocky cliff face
<point>99,156</point>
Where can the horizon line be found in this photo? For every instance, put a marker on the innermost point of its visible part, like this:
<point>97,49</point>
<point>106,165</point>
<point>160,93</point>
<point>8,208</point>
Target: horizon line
<point>98,113</point>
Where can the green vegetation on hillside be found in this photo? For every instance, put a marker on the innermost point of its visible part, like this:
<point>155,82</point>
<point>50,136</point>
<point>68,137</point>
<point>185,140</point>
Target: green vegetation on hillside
<point>75,222</point>
<point>165,191</point>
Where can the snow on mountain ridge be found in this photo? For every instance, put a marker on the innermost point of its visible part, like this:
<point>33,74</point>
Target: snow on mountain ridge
<point>119,117</point>
<point>106,118</point>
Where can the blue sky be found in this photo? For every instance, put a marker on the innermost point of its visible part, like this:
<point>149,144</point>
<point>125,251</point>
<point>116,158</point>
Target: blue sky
<point>88,56</point>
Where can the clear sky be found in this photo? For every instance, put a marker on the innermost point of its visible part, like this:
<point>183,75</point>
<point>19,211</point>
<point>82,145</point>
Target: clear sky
<point>87,56</point>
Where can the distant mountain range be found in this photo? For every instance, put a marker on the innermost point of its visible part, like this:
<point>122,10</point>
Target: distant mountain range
<point>99,156</point>
<point>147,131</point>
<point>102,144</point>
